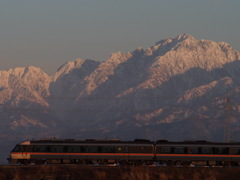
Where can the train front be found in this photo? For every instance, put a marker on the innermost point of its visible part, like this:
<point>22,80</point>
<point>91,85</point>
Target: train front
<point>19,154</point>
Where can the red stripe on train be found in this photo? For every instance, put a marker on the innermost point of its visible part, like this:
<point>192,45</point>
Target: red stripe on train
<point>198,155</point>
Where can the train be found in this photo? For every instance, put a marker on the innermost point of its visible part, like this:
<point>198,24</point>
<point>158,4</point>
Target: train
<point>117,152</point>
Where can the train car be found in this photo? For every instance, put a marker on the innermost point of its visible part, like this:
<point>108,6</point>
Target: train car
<point>126,152</point>
<point>197,153</point>
<point>82,152</point>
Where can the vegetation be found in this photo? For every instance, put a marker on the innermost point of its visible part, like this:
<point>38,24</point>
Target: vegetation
<point>75,172</point>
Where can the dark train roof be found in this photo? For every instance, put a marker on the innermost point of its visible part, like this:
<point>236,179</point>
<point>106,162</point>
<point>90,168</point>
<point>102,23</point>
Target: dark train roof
<point>192,142</point>
<point>89,141</point>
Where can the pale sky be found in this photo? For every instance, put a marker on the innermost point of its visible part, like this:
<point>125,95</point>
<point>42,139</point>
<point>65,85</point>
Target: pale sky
<point>47,33</point>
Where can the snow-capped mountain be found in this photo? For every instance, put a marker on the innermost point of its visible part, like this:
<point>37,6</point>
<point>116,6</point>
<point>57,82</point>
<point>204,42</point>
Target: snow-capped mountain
<point>169,83</point>
<point>21,86</point>
<point>175,90</point>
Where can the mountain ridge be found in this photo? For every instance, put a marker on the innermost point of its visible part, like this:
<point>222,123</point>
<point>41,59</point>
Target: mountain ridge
<point>175,89</point>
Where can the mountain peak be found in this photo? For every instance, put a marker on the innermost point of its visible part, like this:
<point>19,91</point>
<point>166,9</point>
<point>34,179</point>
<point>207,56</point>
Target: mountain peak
<point>174,40</point>
<point>117,55</point>
<point>67,67</point>
<point>22,71</point>
<point>29,68</point>
<point>184,36</point>
<point>70,64</point>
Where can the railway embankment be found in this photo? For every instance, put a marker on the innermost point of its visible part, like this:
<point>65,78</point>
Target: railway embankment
<point>76,172</point>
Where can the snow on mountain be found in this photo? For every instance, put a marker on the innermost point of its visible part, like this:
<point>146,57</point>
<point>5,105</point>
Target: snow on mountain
<point>70,81</point>
<point>180,81</point>
<point>26,122</point>
<point>67,67</point>
<point>185,52</point>
<point>175,90</point>
<point>24,85</point>
<point>102,73</point>
<point>175,56</point>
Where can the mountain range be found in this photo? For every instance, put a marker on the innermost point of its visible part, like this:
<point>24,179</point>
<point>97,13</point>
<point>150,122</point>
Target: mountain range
<point>175,90</point>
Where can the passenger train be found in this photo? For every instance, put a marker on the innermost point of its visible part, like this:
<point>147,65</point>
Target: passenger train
<point>137,152</point>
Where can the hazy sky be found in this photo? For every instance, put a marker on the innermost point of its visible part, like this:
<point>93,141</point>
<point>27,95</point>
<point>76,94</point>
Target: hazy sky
<point>47,33</point>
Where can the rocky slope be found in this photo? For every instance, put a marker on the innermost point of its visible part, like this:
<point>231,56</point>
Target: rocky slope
<point>175,90</point>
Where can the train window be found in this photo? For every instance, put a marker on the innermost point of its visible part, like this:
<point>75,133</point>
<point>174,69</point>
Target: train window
<point>179,150</point>
<point>126,149</point>
<point>99,150</point>
<point>193,150</point>
<point>36,149</point>
<point>74,149</point>
<point>206,150</point>
<point>141,149</point>
<point>108,149</point>
<point>23,148</point>
<point>92,149</point>
<point>20,148</point>
<point>30,148</point>
<point>48,149</point>
<point>40,148</point>
<point>217,150</point>
<point>44,148</point>
<point>82,149</point>
<point>87,149</point>
<point>65,149</point>
<point>57,148</point>
<point>165,150</point>
<point>147,149</point>
<point>17,148</point>
<point>234,150</point>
